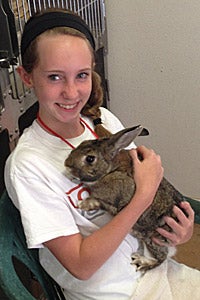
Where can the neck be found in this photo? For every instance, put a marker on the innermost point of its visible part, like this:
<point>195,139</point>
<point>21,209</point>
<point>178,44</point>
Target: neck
<point>66,131</point>
<point>62,137</point>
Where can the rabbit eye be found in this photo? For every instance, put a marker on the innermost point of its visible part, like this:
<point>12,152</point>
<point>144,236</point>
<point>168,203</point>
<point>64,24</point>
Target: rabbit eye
<point>90,159</point>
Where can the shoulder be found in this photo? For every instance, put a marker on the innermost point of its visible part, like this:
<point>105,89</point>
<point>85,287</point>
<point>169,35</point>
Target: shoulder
<point>28,155</point>
<point>23,163</point>
<point>27,147</point>
<point>110,121</point>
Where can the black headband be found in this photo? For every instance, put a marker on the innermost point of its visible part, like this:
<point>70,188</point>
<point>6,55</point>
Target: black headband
<point>39,24</point>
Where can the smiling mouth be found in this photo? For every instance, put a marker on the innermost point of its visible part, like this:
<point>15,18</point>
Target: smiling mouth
<point>67,106</point>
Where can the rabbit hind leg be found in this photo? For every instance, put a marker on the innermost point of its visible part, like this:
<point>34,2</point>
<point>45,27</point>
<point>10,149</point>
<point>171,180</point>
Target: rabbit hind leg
<point>143,259</point>
<point>142,262</point>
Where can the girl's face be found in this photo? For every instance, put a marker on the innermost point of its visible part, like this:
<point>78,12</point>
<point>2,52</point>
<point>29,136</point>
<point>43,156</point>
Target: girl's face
<point>62,80</point>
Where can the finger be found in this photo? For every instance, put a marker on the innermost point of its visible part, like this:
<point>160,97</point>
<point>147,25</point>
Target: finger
<point>171,237</point>
<point>177,234</point>
<point>184,218</point>
<point>133,154</point>
<point>181,230</point>
<point>188,210</point>
<point>162,242</point>
<point>171,222</point>
<point>142,152</point>
<point>185,223</point>
<point>137,156</point>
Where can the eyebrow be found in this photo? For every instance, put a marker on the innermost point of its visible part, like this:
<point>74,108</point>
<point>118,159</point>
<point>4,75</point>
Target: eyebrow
<point>60,71</point>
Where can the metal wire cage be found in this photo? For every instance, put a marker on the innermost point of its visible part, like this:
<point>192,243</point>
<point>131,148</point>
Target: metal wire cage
<point>92,11</point>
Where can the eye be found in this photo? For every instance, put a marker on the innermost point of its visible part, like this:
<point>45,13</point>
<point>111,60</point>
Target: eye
<point>54,77</point>
<point>90,159</point>
<point>83,75</point>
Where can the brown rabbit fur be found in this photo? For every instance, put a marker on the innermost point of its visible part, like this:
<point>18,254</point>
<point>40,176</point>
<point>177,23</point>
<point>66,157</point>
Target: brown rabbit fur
<point>107,170</point>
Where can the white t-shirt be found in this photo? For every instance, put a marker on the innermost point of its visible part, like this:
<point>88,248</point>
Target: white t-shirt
<point>47,200</point>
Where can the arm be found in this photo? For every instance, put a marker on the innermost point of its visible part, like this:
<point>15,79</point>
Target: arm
<point>84,256</point>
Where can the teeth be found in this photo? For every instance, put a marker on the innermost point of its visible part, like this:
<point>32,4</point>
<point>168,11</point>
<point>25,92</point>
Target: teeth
<point>67,106</point>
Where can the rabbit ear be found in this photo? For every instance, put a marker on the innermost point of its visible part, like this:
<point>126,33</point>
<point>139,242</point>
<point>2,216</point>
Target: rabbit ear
<point>124,137</point>
<point>144,132</point>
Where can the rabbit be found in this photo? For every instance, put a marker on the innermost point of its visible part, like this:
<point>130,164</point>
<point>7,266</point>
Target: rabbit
<point>107,169</point>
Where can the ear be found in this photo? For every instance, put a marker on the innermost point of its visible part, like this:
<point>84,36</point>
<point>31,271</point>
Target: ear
<point>124,137</point>
<point>25,77</point>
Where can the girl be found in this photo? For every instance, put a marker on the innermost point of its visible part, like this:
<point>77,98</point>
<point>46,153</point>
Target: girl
<point>87,253</point>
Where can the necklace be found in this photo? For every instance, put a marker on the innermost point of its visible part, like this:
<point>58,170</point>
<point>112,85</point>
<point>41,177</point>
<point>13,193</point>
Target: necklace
<point>59,136</point>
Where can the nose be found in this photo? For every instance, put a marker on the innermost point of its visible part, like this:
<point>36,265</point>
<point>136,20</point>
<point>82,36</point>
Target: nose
<point>70,90</point>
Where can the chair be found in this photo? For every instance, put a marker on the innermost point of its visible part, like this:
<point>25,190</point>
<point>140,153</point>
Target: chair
<point>27,118</point>
<point>4,153</point>
<point>196,207</point>
<point>13,247</point>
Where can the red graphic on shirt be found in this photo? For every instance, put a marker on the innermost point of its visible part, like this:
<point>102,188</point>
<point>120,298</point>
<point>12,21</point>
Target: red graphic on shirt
<point>77,193</point>
<point>80,193</point>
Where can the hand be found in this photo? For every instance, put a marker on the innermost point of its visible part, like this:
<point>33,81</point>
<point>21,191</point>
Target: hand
<point>182,229</point>
<point>148,172</point>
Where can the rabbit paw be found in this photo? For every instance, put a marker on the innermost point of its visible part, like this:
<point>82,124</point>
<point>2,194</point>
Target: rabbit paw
<point>89,204</point>
<point>143,263</point>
